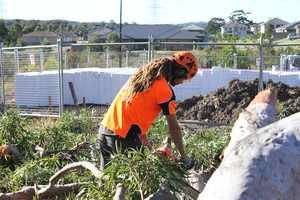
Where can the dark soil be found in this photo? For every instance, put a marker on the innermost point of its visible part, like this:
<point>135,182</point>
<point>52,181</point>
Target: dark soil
<point>224,105</point>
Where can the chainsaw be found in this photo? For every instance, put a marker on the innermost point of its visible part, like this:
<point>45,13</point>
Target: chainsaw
<point>166,152</point>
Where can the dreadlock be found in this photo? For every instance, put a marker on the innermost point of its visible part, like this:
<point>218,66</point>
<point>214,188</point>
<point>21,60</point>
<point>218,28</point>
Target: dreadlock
<point>143,79</point>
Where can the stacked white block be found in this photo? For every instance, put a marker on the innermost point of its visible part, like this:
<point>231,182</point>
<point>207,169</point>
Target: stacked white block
<point>47,88</point>
<point>100,85</point>
<point>26,88</point>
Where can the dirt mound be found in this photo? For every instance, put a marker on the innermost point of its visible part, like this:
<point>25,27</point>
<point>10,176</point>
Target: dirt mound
<point>224,105</point>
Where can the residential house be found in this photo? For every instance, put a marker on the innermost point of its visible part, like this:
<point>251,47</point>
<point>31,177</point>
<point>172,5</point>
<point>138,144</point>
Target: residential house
<point>71,37</point>
<point>100,33</point>
<point>235,28</point>
<point>288,28</point>
<point>262,26</point>
<point>159,32</point>
<point>35,38</point>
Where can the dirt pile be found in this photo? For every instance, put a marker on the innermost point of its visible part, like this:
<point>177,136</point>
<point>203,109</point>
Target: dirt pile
<point>225,105</point>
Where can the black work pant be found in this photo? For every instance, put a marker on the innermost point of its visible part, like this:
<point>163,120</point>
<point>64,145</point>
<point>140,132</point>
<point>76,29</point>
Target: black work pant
<point>111,143</point>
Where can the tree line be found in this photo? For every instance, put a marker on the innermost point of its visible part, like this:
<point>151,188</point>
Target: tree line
<point>11,31</point>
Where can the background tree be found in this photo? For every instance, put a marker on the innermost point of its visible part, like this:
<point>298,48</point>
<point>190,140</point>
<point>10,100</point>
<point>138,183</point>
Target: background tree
<point>15,33</point>
<point>95,48</point>
<point>112,38</point>
<point>38,28</point>
<point>3,32</point>
<point>240,17</point>
<point>61,28</point>
<point>214,25</point>
<point>269,31</point>
<point>69,27</point>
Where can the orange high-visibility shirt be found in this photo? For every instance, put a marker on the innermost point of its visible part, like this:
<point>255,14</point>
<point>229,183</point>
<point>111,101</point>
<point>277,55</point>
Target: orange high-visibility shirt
<point>143,109</point>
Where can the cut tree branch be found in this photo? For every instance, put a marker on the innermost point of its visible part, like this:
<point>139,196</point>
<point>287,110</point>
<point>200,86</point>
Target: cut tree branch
<point>68,168</point>
<point>9,150</point>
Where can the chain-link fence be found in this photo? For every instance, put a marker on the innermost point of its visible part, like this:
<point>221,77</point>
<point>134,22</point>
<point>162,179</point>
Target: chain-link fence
<point>45,80</point>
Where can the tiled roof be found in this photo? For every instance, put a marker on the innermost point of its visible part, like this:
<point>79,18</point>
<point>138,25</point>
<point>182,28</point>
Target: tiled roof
<point>290,25</point>
<point>101,32</point>
<point>277,21</point>
<point>233,25</point>
<point>192,28</point>
<point>50,34</point>
<point>43,34</point>
<point>161,31</point>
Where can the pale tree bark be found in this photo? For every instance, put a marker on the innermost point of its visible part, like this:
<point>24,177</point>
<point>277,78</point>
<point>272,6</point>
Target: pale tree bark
<point>29,192</point>
<point>120,192</point>
<point>50,191</point>
<point>262,160</point>
<point>71,167</point>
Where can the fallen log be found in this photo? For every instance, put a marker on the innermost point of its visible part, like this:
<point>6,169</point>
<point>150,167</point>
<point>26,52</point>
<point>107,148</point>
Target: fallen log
<point>29,192</point>
<point>262,160</point>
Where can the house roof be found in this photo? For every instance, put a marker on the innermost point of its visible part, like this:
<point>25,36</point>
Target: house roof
<point>158,31</point>
<point>272,21</point>
<point>70,34</point>
<point>234,25</point>
<point>100,32</point>
<point>289,26</point>
<point>50,34</point>
<point>42,34</point>
<point>192,28</point>
<point>276,21</point>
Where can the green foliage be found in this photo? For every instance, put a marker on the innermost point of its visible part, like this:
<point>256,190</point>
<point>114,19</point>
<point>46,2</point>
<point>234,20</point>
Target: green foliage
<point>158,131</point>
<point>241,17</point>
<point>73,60</point>
<point>206,146</point>
<point>3,31</point>
<point>140,172</point>
<point>282,110</point>
<point>96,48</point>
<point>214,25</point>
<point>13,130</point>
<point>113,38</point>
<point>78,123</point>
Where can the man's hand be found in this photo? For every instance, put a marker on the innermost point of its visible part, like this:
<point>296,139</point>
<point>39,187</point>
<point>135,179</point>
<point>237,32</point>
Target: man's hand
<point>145,141</point>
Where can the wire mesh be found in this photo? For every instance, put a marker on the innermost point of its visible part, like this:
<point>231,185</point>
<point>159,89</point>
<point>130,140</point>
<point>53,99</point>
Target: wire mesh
<point>91,78</point>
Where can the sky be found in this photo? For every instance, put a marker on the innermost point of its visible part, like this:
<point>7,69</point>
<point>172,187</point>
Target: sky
<point>149,11</point>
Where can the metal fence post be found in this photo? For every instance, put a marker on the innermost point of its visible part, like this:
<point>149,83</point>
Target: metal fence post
<point>127,58</point>
<point>2,79</point>
<point>60,78</point>
<point>150,48</point>
<point>66,58</point>
<point>42,59</point>
<point>107,59</point>
<point>235,60</point>
<point>17,62</point>
<point>261,65</point>
<point>88,58</point>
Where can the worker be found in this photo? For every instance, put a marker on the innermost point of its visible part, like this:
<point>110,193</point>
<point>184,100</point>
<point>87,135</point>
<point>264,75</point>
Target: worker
<point>141,100</point>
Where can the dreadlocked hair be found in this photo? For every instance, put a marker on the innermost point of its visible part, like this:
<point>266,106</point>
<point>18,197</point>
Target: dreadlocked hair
<point>143,79</point>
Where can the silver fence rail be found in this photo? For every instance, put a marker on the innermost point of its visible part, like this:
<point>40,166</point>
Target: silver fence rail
<point>42,80</point>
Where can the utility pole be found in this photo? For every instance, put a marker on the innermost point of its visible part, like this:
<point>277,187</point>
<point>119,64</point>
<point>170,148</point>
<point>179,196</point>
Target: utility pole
<point>1,9</point>
<point>120,46</point>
